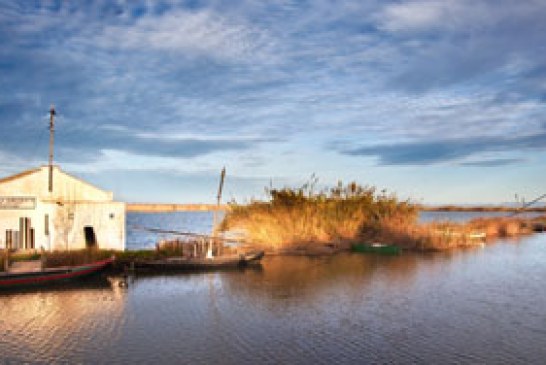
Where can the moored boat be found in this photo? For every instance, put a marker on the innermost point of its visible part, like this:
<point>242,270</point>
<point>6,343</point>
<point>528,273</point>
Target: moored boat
<point>379,248</point>
<point>50,276</point>
<point>202,263</point>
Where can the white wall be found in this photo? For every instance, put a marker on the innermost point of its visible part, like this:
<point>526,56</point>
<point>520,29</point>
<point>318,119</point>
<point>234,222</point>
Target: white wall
<point>107,220</point>
<point>73,205</point>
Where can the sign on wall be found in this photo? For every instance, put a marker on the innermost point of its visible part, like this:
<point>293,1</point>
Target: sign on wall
<point>17,202</point>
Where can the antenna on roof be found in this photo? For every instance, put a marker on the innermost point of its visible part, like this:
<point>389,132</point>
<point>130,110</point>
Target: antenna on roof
<point>51,138</point>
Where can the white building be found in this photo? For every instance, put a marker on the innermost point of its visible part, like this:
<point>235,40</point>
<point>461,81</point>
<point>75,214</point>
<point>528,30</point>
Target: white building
<point>73,215</point>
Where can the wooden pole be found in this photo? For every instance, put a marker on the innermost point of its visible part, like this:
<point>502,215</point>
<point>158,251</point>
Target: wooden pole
<point>218,198</point>
<point>214,217</point>
<point>51,140</point>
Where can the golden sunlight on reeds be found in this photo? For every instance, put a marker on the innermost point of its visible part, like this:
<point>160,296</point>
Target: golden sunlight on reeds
<point>296,217</point>
<point>337,217</point>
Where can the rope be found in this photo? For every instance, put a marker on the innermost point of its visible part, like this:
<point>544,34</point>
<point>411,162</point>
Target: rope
<point>522,209</point>
<point>180,233</point>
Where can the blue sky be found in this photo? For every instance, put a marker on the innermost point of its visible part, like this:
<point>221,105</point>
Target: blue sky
<point>438,101</point>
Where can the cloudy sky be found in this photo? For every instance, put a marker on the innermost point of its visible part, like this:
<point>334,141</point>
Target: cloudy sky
<point>439,101</point>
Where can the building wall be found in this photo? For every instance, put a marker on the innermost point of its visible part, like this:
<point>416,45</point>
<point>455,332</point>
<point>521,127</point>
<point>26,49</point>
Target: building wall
<point>9,220</point>
<point>65,187</point>
<point>106,219</point>
<point>73,205</point>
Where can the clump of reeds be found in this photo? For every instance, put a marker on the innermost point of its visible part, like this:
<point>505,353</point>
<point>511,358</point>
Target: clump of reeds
<point>300,216</point>
<point>24,256</point>
<point>501,226</point>
<point>444,235</point>
<point>436,236</point>
<point>74,258</point>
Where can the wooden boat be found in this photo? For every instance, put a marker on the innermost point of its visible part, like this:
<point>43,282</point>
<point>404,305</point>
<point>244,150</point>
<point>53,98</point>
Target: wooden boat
<point>379,248</point>
<point>202,263</point>
<point>49,276</point>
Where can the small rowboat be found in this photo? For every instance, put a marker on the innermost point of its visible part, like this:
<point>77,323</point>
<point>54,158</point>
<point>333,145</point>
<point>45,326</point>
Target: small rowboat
<point>50,276</point>
<point>196,264</point>
<point>379,248</point>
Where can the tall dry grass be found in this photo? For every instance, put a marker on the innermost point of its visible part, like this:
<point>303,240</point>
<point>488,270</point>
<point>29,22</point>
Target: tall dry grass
<point>74,258</point>
<point>295,217</point>
<point>445,235</point>
<point>353,213</point>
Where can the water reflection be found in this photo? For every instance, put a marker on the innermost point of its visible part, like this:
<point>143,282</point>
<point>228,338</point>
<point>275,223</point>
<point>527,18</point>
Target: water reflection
<point>480,306</point>
<point>45,324</point>
<point>307,278</point>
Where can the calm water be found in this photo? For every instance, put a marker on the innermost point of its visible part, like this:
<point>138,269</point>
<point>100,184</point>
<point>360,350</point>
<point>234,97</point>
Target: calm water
<point>476,306</point>
<point>138,238</point>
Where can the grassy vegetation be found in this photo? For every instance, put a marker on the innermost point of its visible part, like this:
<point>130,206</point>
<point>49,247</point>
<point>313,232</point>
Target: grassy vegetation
<point>74,258</point>
<point>301,216</point>
<point>79,257</point>
<point>69,258</point>
<point>444,235</point>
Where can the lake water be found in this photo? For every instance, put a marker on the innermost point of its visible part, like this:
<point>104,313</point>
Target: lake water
<point>484,305</point>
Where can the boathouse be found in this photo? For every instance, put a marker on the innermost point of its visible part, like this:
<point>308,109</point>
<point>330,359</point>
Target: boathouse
<point>50,209</point>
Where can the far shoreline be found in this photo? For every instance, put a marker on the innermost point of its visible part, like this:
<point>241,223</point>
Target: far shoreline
<point>197,207</point>
<point>480,208</point>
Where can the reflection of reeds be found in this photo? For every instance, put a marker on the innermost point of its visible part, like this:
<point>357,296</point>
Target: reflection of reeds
<point>295,217</point>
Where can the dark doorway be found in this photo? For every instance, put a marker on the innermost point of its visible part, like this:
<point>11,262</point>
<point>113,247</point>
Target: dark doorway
<point>90,238</point>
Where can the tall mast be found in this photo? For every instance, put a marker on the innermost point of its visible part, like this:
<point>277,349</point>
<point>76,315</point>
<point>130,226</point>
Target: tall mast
<point>214,222</point>
<point>218,198</point>
<point>51,138</point>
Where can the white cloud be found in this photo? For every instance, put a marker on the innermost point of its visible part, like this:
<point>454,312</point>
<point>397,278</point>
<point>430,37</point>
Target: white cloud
<point>415,15</point>
<point>455,15</point>
<point>187,33</point>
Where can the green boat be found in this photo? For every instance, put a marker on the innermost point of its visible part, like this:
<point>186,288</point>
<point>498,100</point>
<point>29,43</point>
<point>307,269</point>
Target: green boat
<point>379,248</point>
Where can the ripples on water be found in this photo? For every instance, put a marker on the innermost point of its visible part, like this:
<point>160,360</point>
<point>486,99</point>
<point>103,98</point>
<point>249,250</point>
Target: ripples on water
<point>476,306</point>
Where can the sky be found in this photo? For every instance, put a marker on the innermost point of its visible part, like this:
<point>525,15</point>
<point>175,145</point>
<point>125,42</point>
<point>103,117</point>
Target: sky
<point>437,101</point>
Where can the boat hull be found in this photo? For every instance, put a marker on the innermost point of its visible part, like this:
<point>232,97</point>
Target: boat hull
<point>378,249</point>
<point>51,276</point>
<point>197,264</point>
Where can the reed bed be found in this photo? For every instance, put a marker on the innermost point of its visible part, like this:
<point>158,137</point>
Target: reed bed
<point>300,217</point>
<point>435,236</point>
<point>73,258</point>
<point>445,235</point>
